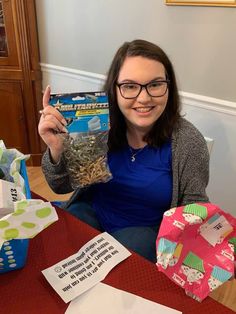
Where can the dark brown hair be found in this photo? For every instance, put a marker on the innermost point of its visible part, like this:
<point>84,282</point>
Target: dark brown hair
<point>163,127</point>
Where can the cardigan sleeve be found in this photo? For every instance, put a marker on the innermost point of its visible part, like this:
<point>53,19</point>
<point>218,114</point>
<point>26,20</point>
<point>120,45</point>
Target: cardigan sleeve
<point>56,174</point>
<point>190,164</point>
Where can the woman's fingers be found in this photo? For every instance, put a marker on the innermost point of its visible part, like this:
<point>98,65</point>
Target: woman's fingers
<point>50,123</point>
<point>50,110</point>
<point>46,96</point>
<point>50,131</point>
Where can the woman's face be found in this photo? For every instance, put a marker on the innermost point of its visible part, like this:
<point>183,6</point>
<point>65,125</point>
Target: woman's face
<point>141,112</point>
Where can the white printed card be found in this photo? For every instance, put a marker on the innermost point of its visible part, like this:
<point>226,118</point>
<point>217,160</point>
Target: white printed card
<point>90,265</point>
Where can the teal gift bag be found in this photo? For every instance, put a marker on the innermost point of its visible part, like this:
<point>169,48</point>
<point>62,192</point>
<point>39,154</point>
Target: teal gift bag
<point>13,253</point>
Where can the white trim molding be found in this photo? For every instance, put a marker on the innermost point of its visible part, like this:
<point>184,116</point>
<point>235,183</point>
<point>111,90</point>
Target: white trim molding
<point>209,103</point>
<point>63,79</point>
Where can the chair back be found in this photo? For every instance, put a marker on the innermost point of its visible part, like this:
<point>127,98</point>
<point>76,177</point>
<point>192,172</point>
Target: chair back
<point>210,143</point>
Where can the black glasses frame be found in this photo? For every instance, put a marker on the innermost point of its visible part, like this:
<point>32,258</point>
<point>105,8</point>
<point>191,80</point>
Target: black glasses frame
<point>119,85</point>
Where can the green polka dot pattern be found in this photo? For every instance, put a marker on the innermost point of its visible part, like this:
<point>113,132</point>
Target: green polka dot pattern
<point>28,225</point>
<point>43,212</point>
<point>11,233</point>
<point>29,218</point>
<point>22,204</point>
<point>18,212</point>
<point>4,224</point>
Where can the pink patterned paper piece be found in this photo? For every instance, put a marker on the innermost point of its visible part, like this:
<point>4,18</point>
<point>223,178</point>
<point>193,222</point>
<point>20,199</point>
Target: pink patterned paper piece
<point>189,258</point>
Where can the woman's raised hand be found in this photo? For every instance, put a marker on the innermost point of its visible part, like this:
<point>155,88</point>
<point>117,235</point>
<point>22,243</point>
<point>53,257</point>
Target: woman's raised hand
<point>51,124</point>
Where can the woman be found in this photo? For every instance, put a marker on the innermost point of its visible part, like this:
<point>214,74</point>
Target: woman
<point>157,159</point>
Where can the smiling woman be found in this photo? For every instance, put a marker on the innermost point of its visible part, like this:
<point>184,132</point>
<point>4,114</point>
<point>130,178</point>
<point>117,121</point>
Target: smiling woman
<point>221,3</point>
<point>157,159</point>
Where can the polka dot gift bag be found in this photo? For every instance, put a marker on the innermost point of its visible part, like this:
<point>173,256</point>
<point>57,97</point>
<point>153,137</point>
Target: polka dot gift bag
<point>21,217</point>
<point>196,247</point>
<point>13,253</point>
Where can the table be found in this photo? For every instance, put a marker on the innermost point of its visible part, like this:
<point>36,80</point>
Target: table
<point>27,291</point>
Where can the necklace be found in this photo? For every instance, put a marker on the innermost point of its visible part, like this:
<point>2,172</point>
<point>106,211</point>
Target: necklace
<point>135,152</point>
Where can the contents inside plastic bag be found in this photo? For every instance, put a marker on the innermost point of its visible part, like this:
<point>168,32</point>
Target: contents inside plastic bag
<point>85,145</point>
<point>196,247</point>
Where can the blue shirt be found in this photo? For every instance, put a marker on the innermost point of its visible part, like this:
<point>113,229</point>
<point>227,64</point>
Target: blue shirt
<point>139,192</point>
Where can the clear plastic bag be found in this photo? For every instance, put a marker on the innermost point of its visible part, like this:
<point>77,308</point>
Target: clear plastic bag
<point>86,158</point>
<point>85,145</point>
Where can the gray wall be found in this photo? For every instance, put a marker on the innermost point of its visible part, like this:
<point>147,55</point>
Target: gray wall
<point>199,40</point>
<point>83,35</point>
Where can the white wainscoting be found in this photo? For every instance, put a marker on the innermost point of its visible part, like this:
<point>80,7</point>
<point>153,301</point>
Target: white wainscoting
<point>215,118</point>
<point>65,80</point>
<point>208,103</point>
<point>72,80</point>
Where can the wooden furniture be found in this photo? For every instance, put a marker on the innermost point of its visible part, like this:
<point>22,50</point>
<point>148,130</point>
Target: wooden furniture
<point>27,291</point>
<point>20,78</point>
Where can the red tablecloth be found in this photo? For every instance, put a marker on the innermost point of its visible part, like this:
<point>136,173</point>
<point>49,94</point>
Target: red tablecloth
<point>27,291</point>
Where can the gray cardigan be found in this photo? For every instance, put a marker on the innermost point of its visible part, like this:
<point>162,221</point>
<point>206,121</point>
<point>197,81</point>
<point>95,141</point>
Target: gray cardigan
<point>190,166</point>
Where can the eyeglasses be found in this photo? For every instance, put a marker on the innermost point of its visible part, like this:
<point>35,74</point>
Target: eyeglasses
<point>153,88</point>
